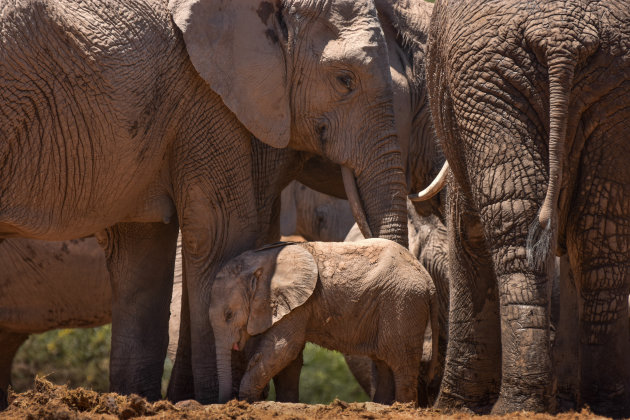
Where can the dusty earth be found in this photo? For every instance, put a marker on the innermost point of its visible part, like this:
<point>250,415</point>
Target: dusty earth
<point>49,401</point>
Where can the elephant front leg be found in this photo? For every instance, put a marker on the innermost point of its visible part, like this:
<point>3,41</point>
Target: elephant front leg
<point>9,344</point>
<point>140,258</point>
<point>277,349</point>
<point>181,383</point>
<point>287,382</point>
<point>384,386</point>
<point>472,366</point>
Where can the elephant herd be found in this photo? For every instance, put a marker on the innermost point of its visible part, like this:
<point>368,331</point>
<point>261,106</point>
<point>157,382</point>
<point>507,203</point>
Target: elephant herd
<point>124,124</point>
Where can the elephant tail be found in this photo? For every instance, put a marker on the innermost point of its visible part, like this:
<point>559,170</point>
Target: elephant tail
<point>435,335</point>
<point>561,69</point>
<point>561,64</point>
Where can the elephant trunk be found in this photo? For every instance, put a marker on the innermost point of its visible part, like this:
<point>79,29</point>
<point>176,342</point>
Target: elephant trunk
<point>224,371</point>
<point>382,191</point>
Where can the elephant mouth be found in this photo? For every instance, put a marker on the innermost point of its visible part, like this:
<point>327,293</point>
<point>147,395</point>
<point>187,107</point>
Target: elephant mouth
<point>240,344</point>
<point>356,205</point>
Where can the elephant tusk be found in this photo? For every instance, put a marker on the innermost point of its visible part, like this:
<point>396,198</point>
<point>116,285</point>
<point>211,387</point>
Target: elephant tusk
<point>350,185</point>
<point>433,188</point>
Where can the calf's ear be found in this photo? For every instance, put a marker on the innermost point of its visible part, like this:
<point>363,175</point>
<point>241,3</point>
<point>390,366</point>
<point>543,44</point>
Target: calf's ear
<point>289,285</point>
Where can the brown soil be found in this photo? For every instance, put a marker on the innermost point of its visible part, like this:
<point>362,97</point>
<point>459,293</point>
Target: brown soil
<point>50,401</point>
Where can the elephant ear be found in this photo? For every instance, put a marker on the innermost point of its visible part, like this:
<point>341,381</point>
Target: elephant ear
<point>290,285</point>
<point>235,45</point>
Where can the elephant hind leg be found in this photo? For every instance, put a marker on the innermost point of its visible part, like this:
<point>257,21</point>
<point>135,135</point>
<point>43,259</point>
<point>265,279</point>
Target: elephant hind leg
<point>473,356</point>
<point>141,259</point>
<point>598,242</point>
<point>9,344</point>
<point>384,386</point>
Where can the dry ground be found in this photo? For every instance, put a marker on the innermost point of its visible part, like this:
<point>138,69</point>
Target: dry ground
<point>50,401</point>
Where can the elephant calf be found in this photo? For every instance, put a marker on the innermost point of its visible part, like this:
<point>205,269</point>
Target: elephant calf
<point>370,298</point>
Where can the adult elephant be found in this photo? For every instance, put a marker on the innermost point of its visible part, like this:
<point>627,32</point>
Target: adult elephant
<point>48,285</point>
<point>313,215</point>
<point>406,33</point>
<point>531,102</point>
<point>132,118</point>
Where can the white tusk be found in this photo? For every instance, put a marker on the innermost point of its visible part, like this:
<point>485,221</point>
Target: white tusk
<point>434,188</point>
<point>350,184</point>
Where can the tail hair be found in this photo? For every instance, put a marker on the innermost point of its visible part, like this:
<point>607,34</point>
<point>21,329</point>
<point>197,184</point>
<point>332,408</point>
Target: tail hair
<point>539,244</point>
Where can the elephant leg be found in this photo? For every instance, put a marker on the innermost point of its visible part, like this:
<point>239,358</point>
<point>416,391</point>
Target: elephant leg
<point>9,344</point>
<point>181,383</point>
<point>406,383</point>
<point>277,349</point>
<point>140,259</point>
<point>287,382</point>
<point>384,385</point>
<point>473,355</point>
<point>361,369</point>
<point>210,236</point>
<point>566,343</point>
<point>598,240</point>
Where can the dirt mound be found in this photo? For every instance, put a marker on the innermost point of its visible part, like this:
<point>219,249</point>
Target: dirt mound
<point>50,401</point>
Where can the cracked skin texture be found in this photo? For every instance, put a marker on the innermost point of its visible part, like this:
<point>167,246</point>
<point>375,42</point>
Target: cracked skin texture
<point>530,102</point>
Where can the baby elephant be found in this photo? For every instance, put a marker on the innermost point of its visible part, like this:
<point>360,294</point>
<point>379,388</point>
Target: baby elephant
<point>370,298</point>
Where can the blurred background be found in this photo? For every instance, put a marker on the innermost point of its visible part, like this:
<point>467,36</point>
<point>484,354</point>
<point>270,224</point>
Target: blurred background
<point>80,358</point>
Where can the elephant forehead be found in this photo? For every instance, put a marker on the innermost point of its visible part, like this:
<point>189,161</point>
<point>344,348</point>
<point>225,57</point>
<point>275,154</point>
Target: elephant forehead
<point>356,47</point>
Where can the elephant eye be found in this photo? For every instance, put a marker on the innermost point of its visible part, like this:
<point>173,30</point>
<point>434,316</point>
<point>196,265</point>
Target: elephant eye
<point>346,81</point>
<point>228,315</point>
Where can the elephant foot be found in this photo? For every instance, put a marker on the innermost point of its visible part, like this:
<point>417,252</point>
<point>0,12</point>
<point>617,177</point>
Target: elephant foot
<point>530,403</point>
<point>611,400</point>
<point>448,402</point>
<point>3,400</point>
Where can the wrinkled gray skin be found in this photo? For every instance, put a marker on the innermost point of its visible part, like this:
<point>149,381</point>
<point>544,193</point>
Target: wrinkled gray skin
<point>530,101</point>
<point>334,294</point>
<point>406,31</point>
<point>138,115</point>
<point>48,285</point>
<point>406,34</point>
<point>313,215</point>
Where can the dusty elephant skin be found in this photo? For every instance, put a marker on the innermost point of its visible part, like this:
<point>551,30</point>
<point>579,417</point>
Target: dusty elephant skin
<point>530,101</point>
<point>47,285</point>
<point>126,136</point>
<point>333,294</point>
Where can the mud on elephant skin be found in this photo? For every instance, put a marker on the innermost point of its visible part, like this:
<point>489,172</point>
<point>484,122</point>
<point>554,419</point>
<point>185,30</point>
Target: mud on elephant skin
<point>530,101</point>
<point>180,90</point>
<point>301,292</point>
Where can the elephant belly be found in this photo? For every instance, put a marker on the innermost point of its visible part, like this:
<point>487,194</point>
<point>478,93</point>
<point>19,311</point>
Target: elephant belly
<point>47,285</point>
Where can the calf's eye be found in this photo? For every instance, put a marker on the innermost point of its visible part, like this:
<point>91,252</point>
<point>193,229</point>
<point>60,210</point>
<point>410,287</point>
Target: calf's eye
<point>228,315</point>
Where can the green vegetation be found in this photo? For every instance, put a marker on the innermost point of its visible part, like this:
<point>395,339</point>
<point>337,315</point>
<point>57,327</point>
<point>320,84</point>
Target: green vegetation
<point>80,358</point>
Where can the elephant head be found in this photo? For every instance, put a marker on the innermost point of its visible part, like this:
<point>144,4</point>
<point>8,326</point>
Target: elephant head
<point>311,75</point>
<point>251,293</point>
